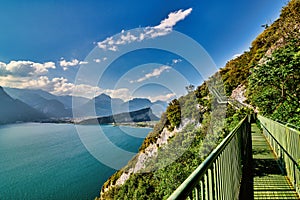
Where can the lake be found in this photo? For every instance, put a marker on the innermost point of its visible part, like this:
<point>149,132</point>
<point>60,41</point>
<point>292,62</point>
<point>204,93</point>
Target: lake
<point>49,161</point>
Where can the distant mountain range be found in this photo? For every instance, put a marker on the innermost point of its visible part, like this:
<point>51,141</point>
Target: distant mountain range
<point>49,104</point>
<point>14,110</point>
<point>106,106</point>
<point>127,117</point>
<point>34,105</point>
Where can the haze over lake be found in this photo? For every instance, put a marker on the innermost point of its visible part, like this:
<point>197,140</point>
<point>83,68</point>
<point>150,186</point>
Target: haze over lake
<point>49,160</point>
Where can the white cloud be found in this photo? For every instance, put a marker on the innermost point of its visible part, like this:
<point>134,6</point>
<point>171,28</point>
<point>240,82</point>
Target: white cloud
<point>113,48</point>
<point>3,70</point>
<point>58,85</point>
<point>66,64</point>
<point>175,61</point>
<point>166,25</point>
<point>25,68</point>
<point>83,62</point>
<point>30,75</point>
<point>11,81</point>
<point>61,86</point>
<point>236,55</point>
<point>155,73</point>
<point>164,28</point>
<point>41,82</point>
<point>166,97</point>
<point>97,60</point>
<point>87,91</point>
<point>173,18</point>
<point>126,38</point>
<point>122,93</point>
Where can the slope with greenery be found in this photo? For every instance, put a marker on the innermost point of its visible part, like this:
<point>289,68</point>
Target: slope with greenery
<point>270,69</point>
<point>194,142</point>
<point>274,87</point>
<point>275,36</point>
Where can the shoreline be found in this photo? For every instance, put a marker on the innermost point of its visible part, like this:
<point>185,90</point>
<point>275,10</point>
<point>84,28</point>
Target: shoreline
<point>146,124</point>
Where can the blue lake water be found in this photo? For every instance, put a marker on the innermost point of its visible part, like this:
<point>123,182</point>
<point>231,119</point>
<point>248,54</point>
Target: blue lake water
<point>49,161</point>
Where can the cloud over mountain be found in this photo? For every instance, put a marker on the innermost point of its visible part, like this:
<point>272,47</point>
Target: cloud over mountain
<point>25,68</point>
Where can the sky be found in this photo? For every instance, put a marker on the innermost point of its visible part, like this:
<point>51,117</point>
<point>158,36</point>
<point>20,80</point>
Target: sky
<point>125,49</point>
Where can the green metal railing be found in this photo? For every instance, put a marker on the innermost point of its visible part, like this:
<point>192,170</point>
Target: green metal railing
<point>219,175</point>
<point>285,142</point>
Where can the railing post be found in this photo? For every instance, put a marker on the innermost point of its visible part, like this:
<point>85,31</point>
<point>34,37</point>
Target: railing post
<point>202,189</point>
<point>215,180</point>
<point>197,190</point>
<point>295,182</point>
<point>206,186</point>
<point>211,183</point>
<point>246,191</point>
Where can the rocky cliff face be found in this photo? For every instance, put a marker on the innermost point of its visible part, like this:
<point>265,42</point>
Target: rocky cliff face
<point>143,157</point>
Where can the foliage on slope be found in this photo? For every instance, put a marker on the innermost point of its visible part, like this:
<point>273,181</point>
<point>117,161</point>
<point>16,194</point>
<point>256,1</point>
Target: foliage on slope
<point>274,87</point>
<point>271,68</point>
<point>192,144</point>
<point>274,84</point>
<point>274,36</point>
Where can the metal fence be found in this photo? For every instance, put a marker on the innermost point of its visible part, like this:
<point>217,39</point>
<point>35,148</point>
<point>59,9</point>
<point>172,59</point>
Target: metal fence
<point>285,142</point>
<point>219,175</point>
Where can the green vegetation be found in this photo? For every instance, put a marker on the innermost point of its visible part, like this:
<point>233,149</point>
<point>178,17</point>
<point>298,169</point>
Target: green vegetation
<point>174,114</point>
<point>153,136</point>
<point>236,72</point>
<point>270,69</point>
<point>283,30</point>
<point>274,87</point>
<point>190,146</point>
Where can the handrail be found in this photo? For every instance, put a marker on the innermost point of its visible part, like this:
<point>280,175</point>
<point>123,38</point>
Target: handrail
<point>288,124</point>
<point>285,142</point>
<point>204,177</point>
<point>278,143</point>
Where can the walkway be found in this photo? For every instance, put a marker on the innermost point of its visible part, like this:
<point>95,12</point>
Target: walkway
<point>268,180</point>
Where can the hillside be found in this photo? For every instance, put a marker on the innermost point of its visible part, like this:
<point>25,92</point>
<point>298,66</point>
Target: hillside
<point>266,78</point>
<point>50,105</point>
<point>31,94</point>
<point>16,111</point>
<point>270,69</point>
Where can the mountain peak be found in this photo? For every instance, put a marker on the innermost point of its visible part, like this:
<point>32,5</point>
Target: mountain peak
<point>140,100</point>
<point>2,92</point>
<point>102,96</point>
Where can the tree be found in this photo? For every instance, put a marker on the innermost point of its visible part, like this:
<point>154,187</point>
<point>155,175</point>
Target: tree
<point>274,87</point>
<point>174,114</point>
<point>190,88</point>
